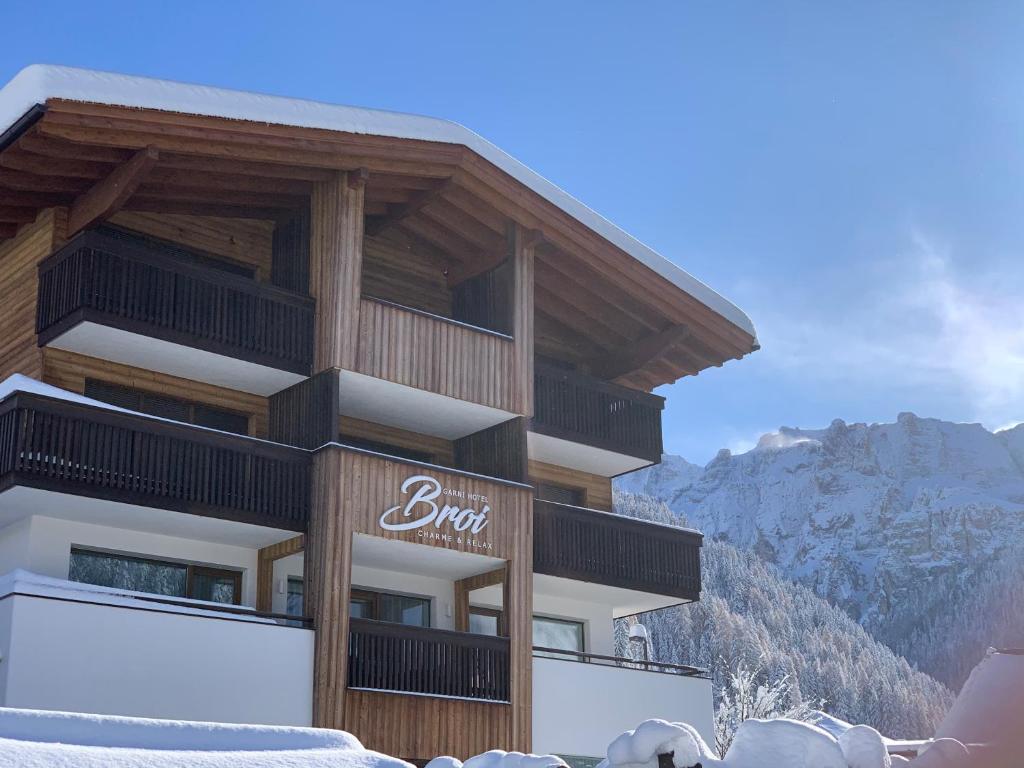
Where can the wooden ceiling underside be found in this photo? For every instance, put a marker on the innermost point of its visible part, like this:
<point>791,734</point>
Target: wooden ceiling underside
<point>594,303</point>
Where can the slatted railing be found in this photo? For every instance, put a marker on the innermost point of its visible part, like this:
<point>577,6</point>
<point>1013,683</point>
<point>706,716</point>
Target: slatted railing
<point>588,545</point>
<point>122,283</point>
<point>80,449</point>
<point>583,409</point>
<point>393,657</point>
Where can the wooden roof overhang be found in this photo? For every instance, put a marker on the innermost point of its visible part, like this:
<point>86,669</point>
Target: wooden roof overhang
<point>615,315</point>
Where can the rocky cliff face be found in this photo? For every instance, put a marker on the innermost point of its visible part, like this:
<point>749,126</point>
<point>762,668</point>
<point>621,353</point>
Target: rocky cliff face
<point>872,517</point>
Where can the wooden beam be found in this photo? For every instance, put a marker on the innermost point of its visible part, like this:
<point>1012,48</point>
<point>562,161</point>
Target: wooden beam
<point>400,212</point>
<point>17,214</point>
<point>108,196</point>
<point>265,559</point>
<point>640,353</point>
<point>463,587</point>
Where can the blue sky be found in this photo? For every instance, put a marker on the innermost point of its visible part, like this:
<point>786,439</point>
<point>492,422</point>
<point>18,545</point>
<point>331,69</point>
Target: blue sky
<point>850,174</point>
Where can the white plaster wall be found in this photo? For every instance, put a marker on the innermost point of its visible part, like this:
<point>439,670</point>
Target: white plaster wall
<point>106,659</point>
<point>598,627</point>
<point>579,708</point>
<point>43,545</point>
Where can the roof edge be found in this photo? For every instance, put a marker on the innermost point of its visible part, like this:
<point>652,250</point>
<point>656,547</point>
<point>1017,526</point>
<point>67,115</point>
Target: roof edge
<point>38,83</point>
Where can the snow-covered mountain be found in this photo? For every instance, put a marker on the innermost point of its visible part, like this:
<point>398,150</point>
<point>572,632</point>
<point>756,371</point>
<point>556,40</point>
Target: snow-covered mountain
<point>750,615</point>
<point>892,522</point>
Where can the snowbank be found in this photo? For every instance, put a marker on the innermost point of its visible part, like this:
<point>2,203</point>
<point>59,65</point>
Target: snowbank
<point>35,739</point>
<point>497,758</point>
<point>641,747</point>
<point>764,743</point>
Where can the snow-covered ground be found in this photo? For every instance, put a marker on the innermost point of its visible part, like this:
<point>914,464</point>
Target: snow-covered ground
<point>36,739</point>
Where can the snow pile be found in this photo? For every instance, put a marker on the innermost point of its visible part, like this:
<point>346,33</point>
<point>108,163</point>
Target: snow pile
<point>863,747</point>
<point>497,758</point>
<point>758,744</point>
<point>764,743</point>
<point>35,739</point>
<point>641,747</point>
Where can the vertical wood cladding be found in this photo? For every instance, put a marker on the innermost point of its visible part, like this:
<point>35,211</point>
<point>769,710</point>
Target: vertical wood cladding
<point>351,490</point>
<point>290,255</point>
<point>498,451</point>
<point>397,269</point>
<point>327,584</point>
<point>248,241</point>
<point>69,370</point>
<point>265,560</point>
<point>417,727</point>
<point>597,489</point>
<point>426,352</point>
<point>306,414</point>
<point>19,287</point>
<point>336,255</point>
<point>522,318</point>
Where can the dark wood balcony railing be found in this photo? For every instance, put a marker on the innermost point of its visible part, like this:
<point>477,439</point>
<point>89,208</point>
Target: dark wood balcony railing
<point>80,449</point>
<point>393,657</point>
<point>588,545</point>
<point>125,284</point>
<point>583,409</point>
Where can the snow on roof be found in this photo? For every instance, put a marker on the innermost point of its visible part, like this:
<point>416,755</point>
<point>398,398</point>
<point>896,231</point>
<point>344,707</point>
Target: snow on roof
<point>38,83</point>
<point>72,740</point>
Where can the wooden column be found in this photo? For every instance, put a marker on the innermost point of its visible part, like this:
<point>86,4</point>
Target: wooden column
<point>336,259</point>
<point>522,248</point>
<point>328,574</point>
<point>519,618</point>
<point>265,560</point>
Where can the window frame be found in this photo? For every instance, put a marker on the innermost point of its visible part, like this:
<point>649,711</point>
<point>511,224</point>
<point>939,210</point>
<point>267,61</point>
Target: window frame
<point>190,406</point>
<point>498,613</point>
<point>584,640</point>
<point>191,570</point>
<point>373,597</point>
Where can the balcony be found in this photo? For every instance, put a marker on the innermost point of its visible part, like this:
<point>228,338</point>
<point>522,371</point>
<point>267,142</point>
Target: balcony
<point>579,698</point>
<point>429,374</point>
<point>66,447</point>
<point>593,425</point>
<point>432,662</point>
<point>78,648</point>
<point>116,297</point>
<point>614,551</point>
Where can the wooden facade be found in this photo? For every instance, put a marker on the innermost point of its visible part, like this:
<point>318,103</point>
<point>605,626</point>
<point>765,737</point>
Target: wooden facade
<point>416,266</point>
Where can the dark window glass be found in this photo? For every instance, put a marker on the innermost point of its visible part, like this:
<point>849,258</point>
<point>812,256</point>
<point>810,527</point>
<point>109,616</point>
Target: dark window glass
<point>215,585</point>
<point>383,606</point>
<point>485,621</point>
<point>560,494</point>
<point>132,573</point>
<point>296,593</point>
<point>157,577</point>
<point>558,633</point>
<point>167,407</point>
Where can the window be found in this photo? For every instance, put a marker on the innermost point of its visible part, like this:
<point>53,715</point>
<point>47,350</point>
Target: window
<point>486,621</point>
<point>167,407</point>
<point>560,494</point>
<point>561,634</point>
<point>383,606</point>
<point>296,595</point>
<point>157,577</point>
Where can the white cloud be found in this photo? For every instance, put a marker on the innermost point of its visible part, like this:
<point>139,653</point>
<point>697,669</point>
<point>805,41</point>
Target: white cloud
<point>916,322</point>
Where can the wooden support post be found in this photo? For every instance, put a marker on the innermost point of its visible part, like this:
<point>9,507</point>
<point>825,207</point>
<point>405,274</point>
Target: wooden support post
<point>463,588</point>
<point>107,196</point>
<point>522,249</point>
<point>336,259</point>
<point>328,583</point>
<point>519,618</point>
<point>265,560</point>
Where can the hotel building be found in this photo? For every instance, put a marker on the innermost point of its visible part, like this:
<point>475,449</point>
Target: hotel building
<point>309,415</point>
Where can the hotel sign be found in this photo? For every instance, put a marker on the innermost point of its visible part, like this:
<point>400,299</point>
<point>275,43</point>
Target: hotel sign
<point>435,513</point>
